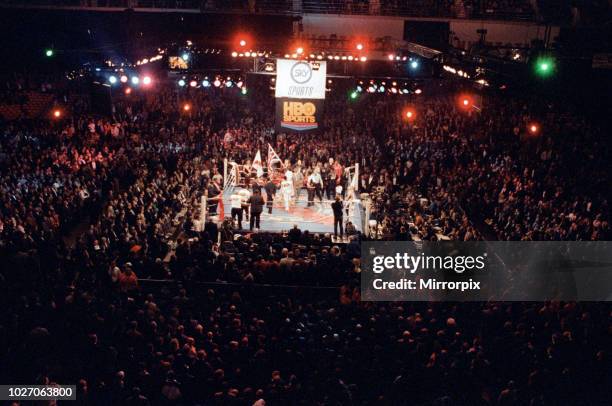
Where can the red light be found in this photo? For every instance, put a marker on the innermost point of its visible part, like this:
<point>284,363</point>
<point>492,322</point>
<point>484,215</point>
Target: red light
<point>57,113</point>
<point>186,106</point>
<point>391,57</point>
<point>465,101</point>
<point>242,41</point>
<point>128,90</point>
<point>410,114</point>
<point>534,128</point>
<point>359,46</point>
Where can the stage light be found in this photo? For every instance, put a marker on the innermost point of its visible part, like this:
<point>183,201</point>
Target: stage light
<point>49,53</point>
<point>391,57</point>
<point>123,79</point>
<point>414,64</point>
<point>466,102</point>
<point>234,54</point>
<point>534,128</point>
<point>193,83</point>
<point>242,43</point>
<point>128,90</point>
<point>186,107</point>
<point>135,80</point>
<point>244,90</point>
<point>57,113</point>
<point>381,89</point>
<point>239,84</point>
<point>299,50</point>
<point>146,80</point>
<point>363,59</point>
<point>205,83</point>
<point>181,82</point>
<point>354,95</point>
<point>359,46</point>
<point>185,56</point>
<point>410,114</point>
<point>112,79</point>
<point>359,89</point>
<point>217,83</point>
<point>229,83</point>
<point>247,54</point>
<point>418,91</point>
<point>371,89</point>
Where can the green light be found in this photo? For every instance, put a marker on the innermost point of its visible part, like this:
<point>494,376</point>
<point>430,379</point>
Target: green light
<point>354,95</point>
<point>544,66</point>
<point>49,52</point>
<point>244,90</point>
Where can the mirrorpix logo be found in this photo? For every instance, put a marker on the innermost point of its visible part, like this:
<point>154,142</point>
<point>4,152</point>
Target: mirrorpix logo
<point>301,72</point>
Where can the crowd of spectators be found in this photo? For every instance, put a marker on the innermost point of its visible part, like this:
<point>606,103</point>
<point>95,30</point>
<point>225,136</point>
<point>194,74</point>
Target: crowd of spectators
<point>107,285</point>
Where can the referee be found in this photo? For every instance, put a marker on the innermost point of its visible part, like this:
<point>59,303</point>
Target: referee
<point>338,208</point>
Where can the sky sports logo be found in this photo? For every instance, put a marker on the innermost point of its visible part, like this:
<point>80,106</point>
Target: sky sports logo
<point>414,263</point>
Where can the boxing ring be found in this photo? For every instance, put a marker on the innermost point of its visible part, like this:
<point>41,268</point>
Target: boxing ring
<point>318,218</point>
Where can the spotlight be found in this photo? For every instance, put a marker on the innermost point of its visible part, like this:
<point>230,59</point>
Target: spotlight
<point>466,102</point>
<point>123,79</point>
<point>299,50</point>
<point>112,79</point>
<point>186,107</point>
<point>146,80</point>
<point>534,128</point>
<point>205,83</point>
<point>217,83</point>
<point>193,83</point>
<point>410,114</point>
<point>229,83</point>
<point>49,52</point>
<point>242,43</point>
<point>181,82</point>
<point>363,59</point>
<point>359,46</point>
<point>57,113</point>
<point>185,56</point>
<point>135,80</point>
<point>414,64</point>
<point>234,54</point>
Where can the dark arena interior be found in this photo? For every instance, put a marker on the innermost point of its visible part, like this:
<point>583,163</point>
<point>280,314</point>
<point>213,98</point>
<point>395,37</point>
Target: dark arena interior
<point>187,188</point>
